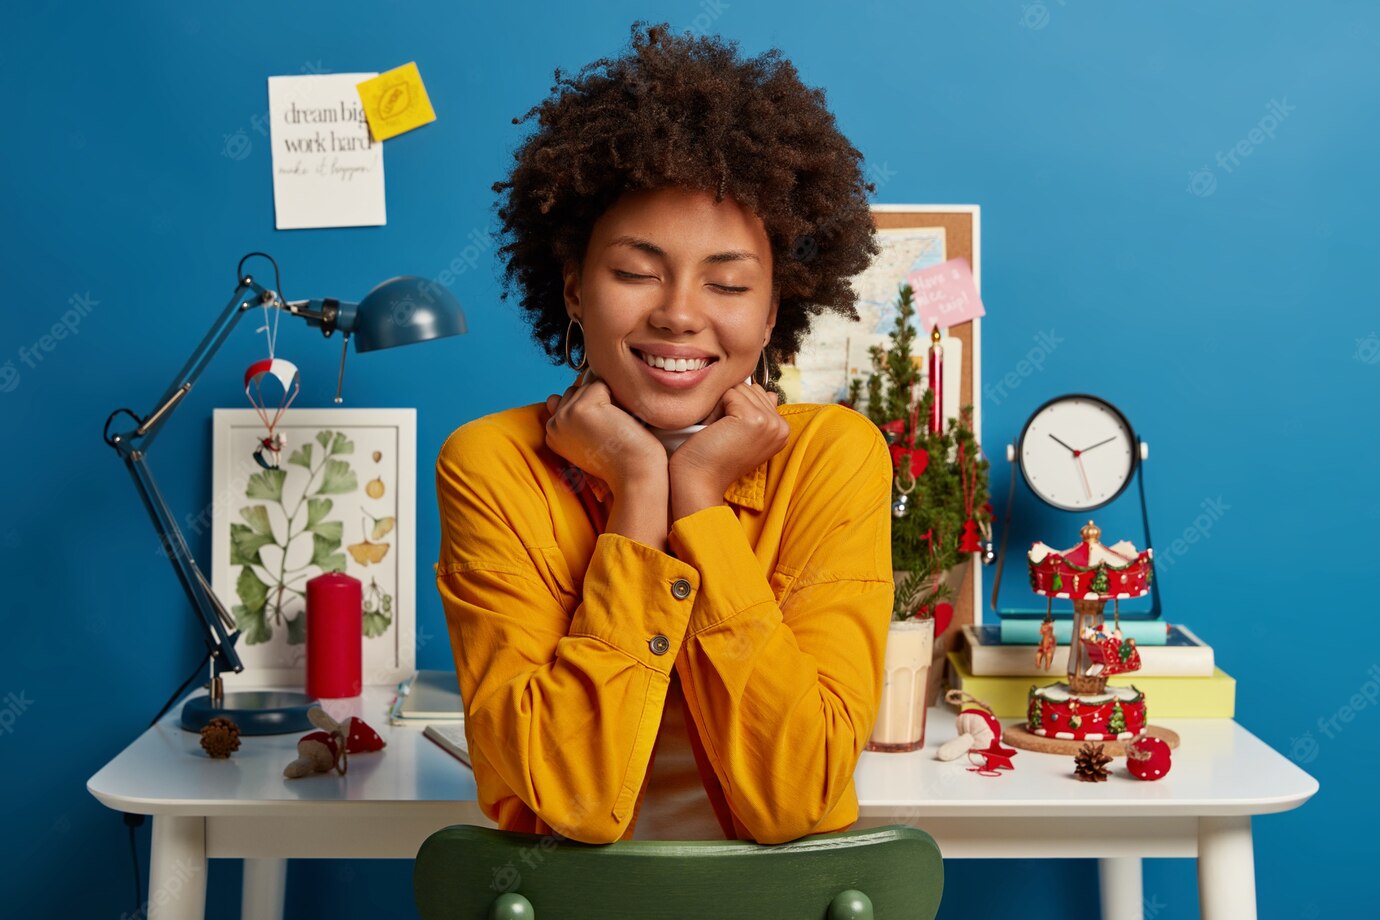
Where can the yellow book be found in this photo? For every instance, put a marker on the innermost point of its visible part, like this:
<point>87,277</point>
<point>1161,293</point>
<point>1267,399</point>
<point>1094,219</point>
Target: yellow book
<point>1165,697</point>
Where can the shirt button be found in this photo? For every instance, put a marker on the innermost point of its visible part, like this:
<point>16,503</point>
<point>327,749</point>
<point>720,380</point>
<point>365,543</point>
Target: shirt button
<point>660,645</point>
<point>680,589</point>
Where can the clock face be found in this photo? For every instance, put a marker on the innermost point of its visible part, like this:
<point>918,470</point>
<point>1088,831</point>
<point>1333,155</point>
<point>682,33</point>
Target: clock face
<point>1077,452</point>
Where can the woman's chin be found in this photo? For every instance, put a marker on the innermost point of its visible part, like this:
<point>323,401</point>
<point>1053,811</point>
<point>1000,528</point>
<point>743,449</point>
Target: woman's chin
<point>672,420</point>
<point>672,416</point>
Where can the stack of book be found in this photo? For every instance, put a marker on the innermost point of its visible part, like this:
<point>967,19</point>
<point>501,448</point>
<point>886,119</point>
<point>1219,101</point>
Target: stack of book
<point>431,701</point>
<point>428,697</point>
<point>1178,673</point>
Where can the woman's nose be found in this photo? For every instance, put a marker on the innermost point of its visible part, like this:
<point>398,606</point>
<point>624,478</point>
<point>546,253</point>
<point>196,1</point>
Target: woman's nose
<point>680,309</point>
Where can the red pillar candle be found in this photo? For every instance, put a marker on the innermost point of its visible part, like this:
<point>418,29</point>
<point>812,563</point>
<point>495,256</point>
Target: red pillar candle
<point>335,636</point>
<point>936,382</point>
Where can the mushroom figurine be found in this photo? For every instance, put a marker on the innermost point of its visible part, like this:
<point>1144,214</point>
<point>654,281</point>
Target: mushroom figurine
<point>978,731</point>
<point>359,737</point>
<point>319,751</point>
<point>1147,757</point>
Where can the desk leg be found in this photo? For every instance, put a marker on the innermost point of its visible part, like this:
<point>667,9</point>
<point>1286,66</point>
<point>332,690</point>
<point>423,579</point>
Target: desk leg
<point>177,868</point>
<point>265,884</point>
<point>1226,869</point>
<point>1120,880</point>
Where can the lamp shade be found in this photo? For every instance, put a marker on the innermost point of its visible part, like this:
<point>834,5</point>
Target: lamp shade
<point>401,311</point>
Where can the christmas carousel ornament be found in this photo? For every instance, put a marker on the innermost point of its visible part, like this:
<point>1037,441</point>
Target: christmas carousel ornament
<point>1083,707</point>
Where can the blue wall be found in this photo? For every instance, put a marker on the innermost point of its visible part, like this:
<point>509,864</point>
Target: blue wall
<point>1231,315</point>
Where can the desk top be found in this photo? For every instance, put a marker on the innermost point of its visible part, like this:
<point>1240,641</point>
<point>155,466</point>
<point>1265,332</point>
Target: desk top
<point>1219,769</point>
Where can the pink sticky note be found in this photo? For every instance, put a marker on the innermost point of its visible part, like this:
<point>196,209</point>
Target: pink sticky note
<point>945,294</point>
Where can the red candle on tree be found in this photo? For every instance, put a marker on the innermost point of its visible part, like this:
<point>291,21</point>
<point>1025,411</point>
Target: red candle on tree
<point>936,382</point>
<point>335,636</point>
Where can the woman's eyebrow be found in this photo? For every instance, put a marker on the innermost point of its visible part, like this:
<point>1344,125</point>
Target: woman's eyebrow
<point>647,246</point>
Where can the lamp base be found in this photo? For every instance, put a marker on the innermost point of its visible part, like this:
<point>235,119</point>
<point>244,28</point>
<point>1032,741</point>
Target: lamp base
<point>256,712</point>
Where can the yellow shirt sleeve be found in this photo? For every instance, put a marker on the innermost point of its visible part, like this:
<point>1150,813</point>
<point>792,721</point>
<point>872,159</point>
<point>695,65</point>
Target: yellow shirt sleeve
<point>561,708</point>
<point>785,695</point>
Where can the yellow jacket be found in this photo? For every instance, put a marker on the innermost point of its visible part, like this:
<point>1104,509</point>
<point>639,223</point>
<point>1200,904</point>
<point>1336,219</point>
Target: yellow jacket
<point>773,609</point>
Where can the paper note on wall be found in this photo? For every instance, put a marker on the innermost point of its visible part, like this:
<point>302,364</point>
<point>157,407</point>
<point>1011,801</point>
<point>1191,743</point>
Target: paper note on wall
<point>327,170</point>
<point>396,101</point>
<point>945,295</point>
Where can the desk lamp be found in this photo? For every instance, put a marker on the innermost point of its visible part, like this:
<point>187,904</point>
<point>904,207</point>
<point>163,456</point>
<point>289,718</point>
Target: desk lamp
<point>399,311</point>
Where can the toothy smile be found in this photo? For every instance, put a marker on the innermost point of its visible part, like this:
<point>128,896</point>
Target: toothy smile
<point>678,365</point>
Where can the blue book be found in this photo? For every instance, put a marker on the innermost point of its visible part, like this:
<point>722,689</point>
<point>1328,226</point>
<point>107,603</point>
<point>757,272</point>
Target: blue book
<point>1027,631</point>
<point>1184,655</point>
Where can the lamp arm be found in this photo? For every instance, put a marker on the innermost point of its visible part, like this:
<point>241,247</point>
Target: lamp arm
<point>133,447</point>
<point>216,622</point>
<point>241,302</point>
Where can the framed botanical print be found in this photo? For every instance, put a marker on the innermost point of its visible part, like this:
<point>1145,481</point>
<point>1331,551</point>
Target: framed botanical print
<point>341,498</point>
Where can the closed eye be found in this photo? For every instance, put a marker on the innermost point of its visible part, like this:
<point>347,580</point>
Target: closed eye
<point>726,288</point>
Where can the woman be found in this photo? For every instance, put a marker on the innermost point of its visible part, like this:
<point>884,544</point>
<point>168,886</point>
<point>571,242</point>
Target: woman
<point>659,635</point>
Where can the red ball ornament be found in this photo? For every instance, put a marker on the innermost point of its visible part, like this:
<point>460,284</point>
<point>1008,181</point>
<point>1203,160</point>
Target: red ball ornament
<point>1147,758</point>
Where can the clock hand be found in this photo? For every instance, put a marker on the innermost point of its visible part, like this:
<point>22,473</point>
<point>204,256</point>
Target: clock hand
<point>1071,450</point>
<point>1084,473</point>
<point>1098,444</point>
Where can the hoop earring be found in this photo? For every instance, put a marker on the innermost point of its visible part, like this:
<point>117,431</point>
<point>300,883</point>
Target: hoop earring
<point>583,354</point>
<point>766,379</point>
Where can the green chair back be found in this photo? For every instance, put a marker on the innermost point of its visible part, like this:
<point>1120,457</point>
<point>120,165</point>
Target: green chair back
<point>476,873</point>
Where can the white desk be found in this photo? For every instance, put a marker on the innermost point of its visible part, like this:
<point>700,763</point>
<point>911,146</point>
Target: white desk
<point>388,803</point>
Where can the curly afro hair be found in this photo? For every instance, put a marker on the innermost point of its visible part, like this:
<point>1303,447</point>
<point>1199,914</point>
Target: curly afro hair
<point>687,112</point>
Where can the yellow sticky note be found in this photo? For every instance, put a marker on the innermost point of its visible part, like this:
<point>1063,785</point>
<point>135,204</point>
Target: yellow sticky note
<point>395,101</point>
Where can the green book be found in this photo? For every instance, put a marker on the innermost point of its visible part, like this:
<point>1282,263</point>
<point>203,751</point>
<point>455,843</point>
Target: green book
<point>1165,697</point>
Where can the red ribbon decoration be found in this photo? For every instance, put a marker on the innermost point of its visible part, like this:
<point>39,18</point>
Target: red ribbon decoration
<point>968,543</point>
<point>905,447</point>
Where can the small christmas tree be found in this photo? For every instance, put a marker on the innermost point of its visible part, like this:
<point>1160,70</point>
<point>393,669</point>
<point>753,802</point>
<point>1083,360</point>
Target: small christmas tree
<point>1117,723</point>
<point>1099,582</point>
<point>929,515</point>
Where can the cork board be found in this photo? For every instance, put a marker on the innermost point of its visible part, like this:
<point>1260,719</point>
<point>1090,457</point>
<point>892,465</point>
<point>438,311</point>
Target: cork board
<point>960,227</point>
<point>962,231</point>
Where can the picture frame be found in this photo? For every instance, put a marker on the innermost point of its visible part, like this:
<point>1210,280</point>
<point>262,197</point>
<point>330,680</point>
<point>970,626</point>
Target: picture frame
<point>342,498</point>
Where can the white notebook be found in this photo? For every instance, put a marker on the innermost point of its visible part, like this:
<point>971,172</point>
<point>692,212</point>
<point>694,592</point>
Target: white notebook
<point>451,736</point>
<point>430,696</point>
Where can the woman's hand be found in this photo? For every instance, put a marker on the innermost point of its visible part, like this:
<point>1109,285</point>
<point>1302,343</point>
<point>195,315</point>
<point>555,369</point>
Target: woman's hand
<point>743,431</point>
<point>587,429</point>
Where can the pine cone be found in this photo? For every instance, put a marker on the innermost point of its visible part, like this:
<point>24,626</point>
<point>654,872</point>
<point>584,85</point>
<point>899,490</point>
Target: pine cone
<point>220,736</point>
<point>1090,763</point>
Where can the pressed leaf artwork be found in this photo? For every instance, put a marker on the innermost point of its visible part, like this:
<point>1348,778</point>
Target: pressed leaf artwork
<point>381,527</point>
<point>341,501</point>
<point>378,610</point>
<point>290,538</point>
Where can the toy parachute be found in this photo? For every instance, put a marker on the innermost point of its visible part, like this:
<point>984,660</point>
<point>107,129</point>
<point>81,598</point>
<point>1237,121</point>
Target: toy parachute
<point>290,382</point>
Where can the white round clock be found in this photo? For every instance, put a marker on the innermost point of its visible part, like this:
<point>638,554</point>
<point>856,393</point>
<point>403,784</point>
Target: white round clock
<point>1077,452</point>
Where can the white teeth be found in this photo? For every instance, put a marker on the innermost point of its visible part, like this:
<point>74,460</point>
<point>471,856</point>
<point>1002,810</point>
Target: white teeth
<point>675,364</point>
